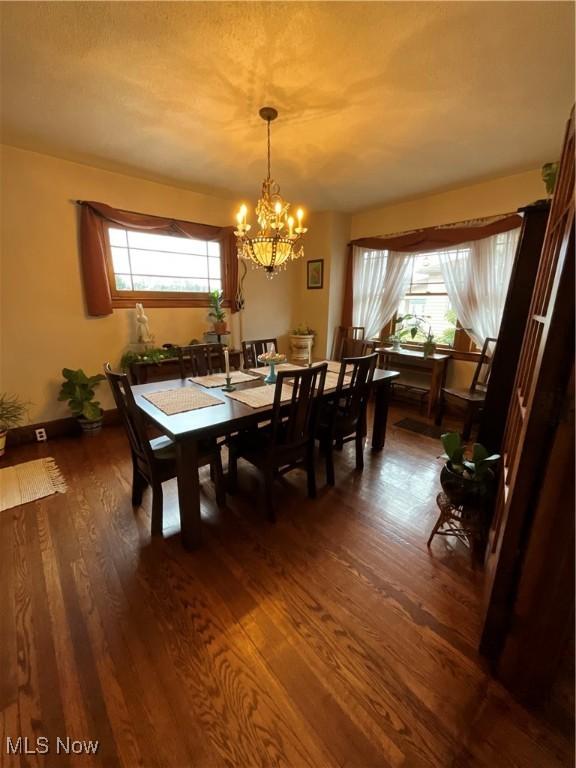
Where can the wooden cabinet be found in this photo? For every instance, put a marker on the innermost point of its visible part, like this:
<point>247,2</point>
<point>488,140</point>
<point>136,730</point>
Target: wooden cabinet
<point>514,317</point>
<point>529,581</point>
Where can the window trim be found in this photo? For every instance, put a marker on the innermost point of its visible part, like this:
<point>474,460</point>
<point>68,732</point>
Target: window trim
<point>160,299</point>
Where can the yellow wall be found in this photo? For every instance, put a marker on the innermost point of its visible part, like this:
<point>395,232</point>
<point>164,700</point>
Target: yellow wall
<point>44,326</point>
<point>502,195</point>
<point>327,237</point>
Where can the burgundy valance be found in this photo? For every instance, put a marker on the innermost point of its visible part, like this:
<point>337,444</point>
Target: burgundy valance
<point>434,238</point>
<point>93,249</point>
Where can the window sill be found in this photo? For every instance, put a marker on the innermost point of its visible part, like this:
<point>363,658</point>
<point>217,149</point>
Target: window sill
<point>168,302</point>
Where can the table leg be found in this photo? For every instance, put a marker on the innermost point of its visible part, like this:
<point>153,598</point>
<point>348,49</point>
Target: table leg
<point>188,492</point>
<point>436,384</point>
<point>381,399</point>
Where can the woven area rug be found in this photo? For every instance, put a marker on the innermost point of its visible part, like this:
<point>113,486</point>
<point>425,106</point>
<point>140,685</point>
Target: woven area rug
<point>421,428</point>
<point>29,481</point>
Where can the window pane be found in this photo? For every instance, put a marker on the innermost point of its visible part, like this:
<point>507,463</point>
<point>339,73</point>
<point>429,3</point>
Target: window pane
<point>117,236</point>
<point>436,313</point>
<point>214,268</point>
<point>168,264</point>
<point>160,262</point>
<point>123,282</point>
<point>170,243</point>
<point>120,260</point>
<point>151,283</point>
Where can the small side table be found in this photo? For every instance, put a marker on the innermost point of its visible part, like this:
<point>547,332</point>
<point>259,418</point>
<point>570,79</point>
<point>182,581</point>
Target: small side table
<point>465,523</point>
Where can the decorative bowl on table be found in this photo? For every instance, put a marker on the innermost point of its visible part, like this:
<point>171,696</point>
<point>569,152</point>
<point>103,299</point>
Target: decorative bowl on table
<point>271,359</point>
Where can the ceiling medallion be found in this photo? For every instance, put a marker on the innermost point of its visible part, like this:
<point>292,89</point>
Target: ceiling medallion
<point>277,240</point>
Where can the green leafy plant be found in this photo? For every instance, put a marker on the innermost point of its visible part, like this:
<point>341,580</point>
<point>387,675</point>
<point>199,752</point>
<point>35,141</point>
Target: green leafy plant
<point>549,174</point>
<point>79,389</point>
<point>303,329</point>
<point>12,411</point>
<point>416,324</point>
<point>476,466</point>
<point>152,355</point>
<point>216,310</point>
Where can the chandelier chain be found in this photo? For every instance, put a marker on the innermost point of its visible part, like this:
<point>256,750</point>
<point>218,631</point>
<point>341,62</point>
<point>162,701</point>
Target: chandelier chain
<point>268,124</point>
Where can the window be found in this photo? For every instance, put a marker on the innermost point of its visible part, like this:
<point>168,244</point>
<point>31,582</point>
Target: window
<point>167,268</point>
<point>427,297</point>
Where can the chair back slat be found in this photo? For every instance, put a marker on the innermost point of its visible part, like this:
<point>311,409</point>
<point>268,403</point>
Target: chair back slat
<point>131,417</point>
<point>251,350</point>
<point>484,366</point>
<point>200,359</point>
<point>294,424</point>
<point>351,402</point>
<point>344,334</point>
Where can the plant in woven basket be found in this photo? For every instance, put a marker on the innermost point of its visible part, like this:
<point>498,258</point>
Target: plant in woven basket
<point>467,477</point>
<point>78,390</point>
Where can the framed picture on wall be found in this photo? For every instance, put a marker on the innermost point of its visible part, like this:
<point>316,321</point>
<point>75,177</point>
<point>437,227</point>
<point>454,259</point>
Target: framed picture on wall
<point>315,273</point>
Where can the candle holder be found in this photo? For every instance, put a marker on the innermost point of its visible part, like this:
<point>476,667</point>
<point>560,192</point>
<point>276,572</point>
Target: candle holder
<point>229,387</point>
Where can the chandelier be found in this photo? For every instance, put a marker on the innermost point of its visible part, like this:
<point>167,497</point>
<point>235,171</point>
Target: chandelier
<point>279,238</point>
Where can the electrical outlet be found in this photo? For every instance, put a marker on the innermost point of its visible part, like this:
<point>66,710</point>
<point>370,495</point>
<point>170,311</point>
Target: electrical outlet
<point>41,435</point>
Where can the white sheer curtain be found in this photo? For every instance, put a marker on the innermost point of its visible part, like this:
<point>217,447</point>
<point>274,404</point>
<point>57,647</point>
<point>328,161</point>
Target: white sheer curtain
<point>476,276</point>
<point>380,281</point>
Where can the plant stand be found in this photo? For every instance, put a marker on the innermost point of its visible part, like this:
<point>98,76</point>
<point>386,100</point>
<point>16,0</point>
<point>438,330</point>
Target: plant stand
<point>463,522</point>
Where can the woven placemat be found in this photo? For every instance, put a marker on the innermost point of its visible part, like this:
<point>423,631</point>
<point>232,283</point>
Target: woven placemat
<point>219,379</point>
<point>171,401</point>
<point>260,397</point>
<point>334,367</point>
<point>265,369</point>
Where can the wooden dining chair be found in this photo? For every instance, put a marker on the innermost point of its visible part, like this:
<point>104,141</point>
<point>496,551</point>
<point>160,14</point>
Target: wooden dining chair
<point>251,350</point>
<point>341,335</point>
<point>472,398</point>
<point>154,461</point>
<point>288,441</point>
<point>343,417</point>
<point>200,359</point>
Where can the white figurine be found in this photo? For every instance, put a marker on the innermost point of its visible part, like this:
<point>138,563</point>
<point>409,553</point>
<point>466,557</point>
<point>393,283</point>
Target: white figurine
<point>144,335</point>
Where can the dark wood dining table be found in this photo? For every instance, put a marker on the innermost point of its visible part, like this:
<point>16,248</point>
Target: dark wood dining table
<point>188,428</point>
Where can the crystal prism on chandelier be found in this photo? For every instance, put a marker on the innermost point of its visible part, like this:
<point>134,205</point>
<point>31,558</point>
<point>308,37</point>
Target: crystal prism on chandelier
<point>279,238</point>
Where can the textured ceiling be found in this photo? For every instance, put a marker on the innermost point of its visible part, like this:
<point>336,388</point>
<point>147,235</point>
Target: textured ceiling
<point>378,101</point>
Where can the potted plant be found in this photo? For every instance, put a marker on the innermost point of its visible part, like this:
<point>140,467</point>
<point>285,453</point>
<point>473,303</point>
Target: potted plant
<point>417,324</point>
<point>467,478</point>
<point>395,340</point>
<point>78,389</point>
<point>12,411</point>
<point>301,343</point>
<point>217,312</point>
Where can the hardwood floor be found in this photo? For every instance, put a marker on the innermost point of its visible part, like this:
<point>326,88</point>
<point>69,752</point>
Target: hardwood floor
<point>334,638</point>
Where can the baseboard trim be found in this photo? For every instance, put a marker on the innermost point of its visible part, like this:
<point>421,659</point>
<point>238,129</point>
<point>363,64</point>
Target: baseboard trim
<point>67,427</point>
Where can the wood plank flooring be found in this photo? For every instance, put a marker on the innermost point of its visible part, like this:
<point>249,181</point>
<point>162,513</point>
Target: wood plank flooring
<point>334,638</point>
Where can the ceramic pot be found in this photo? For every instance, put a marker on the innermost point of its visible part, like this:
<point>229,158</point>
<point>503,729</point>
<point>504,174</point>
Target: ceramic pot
<point>90,428</point>
<point>299,346</point>
<point>220,327</point>
<point>429,348</point>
